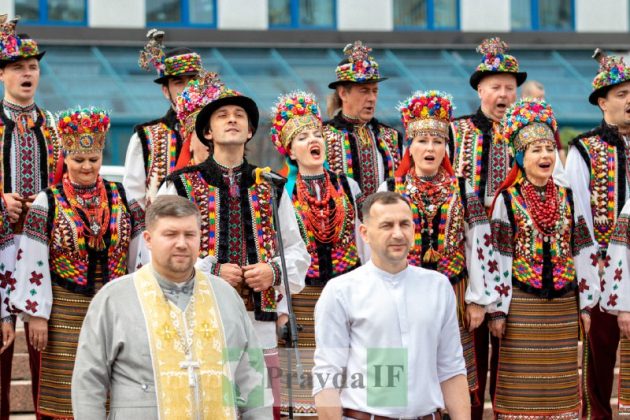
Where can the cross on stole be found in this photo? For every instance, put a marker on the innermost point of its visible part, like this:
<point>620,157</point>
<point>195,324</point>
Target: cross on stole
<point>190,365</point>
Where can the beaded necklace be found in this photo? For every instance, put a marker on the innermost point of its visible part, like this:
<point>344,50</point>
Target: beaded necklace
<point>544,209</point>
<point>92,202</point>
<point>429,194</point>
<point>323,217</point>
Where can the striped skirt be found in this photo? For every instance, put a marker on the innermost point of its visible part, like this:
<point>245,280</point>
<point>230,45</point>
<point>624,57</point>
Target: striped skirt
<point>57,363</point>
<point>538,359</point>
<point>466,337</point>
<point>302,386</point>
<point>624,378</point>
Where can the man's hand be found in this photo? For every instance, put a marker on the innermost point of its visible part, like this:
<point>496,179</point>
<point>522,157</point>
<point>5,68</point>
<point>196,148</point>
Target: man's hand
<point>38,332</point>
<point>258,276</point>
<point>29,200</point>
<point>14,206</point>
<point>623,319</point>
<point>8,335</point>
<point>474,316</point>
<point>586,321</point>
<point>231,273</point>
<point>497,327</point>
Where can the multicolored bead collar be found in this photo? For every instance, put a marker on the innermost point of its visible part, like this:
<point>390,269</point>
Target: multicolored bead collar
<point>15,47</point>
<point>527,121</point>
<point>292,113</point>
<point>177,62</point>
<point>612,71</point>
<point>494,60</point>
<point>83,130</point>
<point>358,66</point>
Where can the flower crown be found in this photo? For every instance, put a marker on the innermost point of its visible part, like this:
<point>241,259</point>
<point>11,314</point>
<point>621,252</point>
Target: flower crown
<point>429,111</point>
<point>292,113</point>
<point>527,121</point>
<point>494,57</point>
<point>200,91</point>
<point>83,130</point>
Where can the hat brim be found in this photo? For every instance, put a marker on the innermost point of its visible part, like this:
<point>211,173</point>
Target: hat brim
<point>602,91</point>
<point>164,79</point>
<point>333,85</point>
<point>203,118</point>
<point>38,57</point>
<point>477,76</point>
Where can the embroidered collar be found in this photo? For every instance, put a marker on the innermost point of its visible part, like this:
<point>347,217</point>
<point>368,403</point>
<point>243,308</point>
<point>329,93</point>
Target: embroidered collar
<point>213,172</point>
<point>18,109</point>
<point>610,134</point>
<point>341,122</point>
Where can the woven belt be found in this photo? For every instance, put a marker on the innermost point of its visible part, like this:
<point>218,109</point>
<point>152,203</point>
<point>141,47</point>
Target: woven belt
<point>362,415</point>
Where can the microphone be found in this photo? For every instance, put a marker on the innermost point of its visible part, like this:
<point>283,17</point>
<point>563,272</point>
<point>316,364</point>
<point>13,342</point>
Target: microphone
<point>270,177</point>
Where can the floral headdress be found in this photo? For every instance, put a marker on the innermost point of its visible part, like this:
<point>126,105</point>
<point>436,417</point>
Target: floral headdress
<point>612,71</point>
<point>494,60</point>
<point>179,62</point>
<point>292,113</point>
<point>199,92</point>
<point>83,130</point>
<point>14,47</point>
<point>358,66</point>
<point>429,111</point>
<point>527,121</point>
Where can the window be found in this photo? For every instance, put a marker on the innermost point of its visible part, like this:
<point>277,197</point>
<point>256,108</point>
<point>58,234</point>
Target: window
<point>181,12</point>
<point>305,14</point>
<point>426,14</point>
<point>52,12</point>
<point>542,15</point>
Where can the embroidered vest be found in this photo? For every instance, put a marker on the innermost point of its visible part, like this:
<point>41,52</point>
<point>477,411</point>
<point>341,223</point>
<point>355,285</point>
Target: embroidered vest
<point>72,262</point>
<point>161,144</point>
<point>47,141</point>
<point>541,264</point>
<point>341,256</point>
<point>448,239</point>
<point>260,239</point>
<point>343,154</point>
<point>482,157</point>
<point>609,172</point>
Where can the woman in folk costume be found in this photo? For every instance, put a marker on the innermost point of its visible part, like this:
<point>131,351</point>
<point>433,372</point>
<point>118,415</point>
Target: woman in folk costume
<point>200,91</point>
<point>452,229</point>
<point>547,262</point>
<point>79,234</point>
<point>325,208</point>
<point>615,298</point>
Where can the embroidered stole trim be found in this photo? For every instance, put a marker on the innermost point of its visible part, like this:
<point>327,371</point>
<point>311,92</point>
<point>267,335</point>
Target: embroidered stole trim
<point>170,332</point>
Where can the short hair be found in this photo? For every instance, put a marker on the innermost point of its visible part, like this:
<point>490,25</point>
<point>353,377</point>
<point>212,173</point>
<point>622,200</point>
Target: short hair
<point>170,206</point>
<point>382,197</point>
<point>529,87</point>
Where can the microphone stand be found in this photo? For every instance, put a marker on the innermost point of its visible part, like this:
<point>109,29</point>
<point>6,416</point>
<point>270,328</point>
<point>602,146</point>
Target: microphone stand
<point>290,334</point>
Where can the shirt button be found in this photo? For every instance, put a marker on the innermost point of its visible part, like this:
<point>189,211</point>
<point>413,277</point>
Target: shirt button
<point>145,387</point>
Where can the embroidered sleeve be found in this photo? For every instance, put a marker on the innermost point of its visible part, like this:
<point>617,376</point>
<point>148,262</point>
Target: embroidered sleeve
<point>33,290</point>
<point>137,218</point>
<point>615,294</point>
<point>500,287</point>
<point>586,260</point>
<point>134,179</point>
<point>7,262</point>
<point>481,258</point>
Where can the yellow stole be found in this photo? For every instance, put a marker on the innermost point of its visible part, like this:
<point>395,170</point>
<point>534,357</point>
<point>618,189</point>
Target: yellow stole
<point>179,339</point>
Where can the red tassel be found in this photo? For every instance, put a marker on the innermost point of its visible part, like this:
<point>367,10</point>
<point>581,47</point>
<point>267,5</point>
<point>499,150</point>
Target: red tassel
<point>184,157</point>
<point>58,169</point>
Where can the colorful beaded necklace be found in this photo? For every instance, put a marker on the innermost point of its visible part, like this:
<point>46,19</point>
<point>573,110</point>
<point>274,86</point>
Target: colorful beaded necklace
<point>542,205</point>
<point>93,204</point>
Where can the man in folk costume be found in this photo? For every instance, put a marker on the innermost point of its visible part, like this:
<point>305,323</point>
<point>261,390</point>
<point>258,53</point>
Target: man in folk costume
<point>615,298</point>
<point>28,151</point>
<point>169,341</point>
<point>482,157</point>
<point>357,144</point>
<point>155,145</point>
<point>237,227</point>
<point>597,166</point>
<point>7,283</point>
<point>452,228</point>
